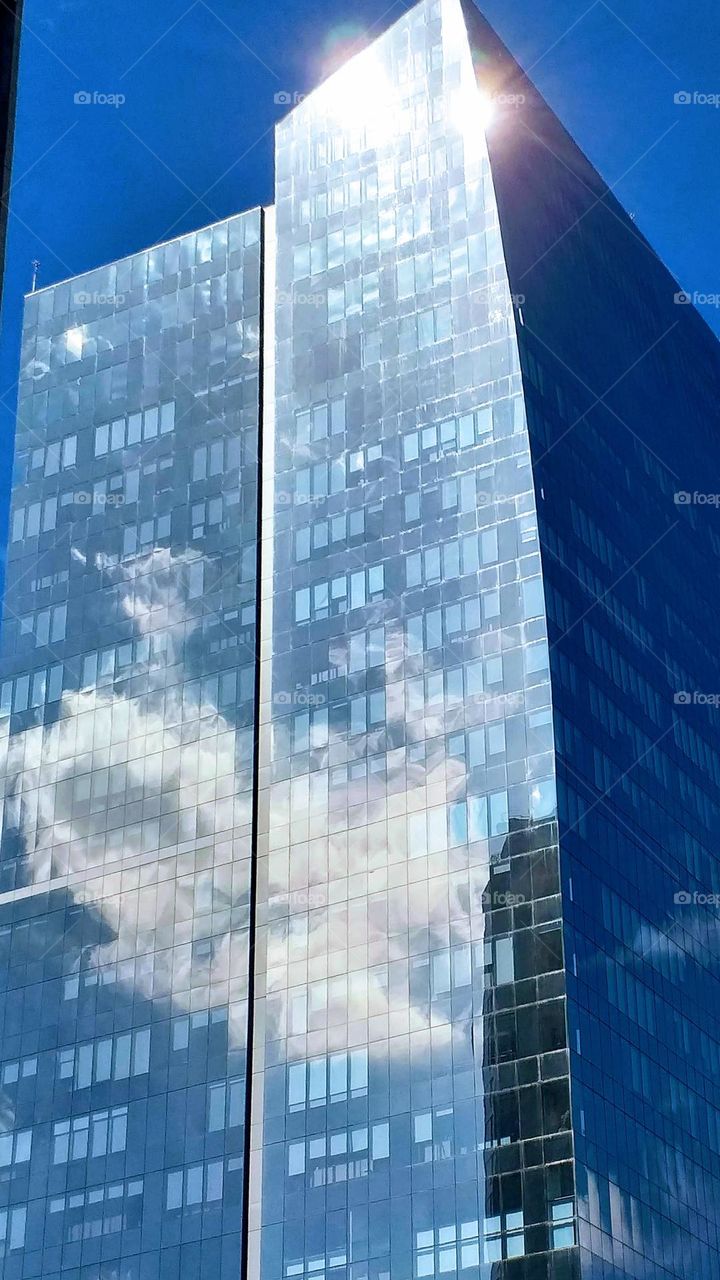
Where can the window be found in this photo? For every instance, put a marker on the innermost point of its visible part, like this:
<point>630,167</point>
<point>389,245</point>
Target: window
<point>31,691</point>
<point>536,657</point>
<point>226,1104</point>
<point>217,458</point>
<point>464,617</point>
<point>321,420</point>
<point>347,591</point>
<point>321,534</point>
<point>448,970</point>
<point>147,424</point>
<point>111,1058</point>
<point>406,278</point>
<point>12,1228</point>
<point>452,559</point>
<point>47,626</point>
<point>84,1137</point>
<point>118,490</point>
<point>562,1229</point>
<point>98,1211</point>
<point>434,325</point>
<point>427,832</point>
<point>533,598</point>
<point>367,711</point>
<point>14,1071</point>
<point>320,480</point>
<point>15,1147</point>
<point>434,441</point>
<point>198,1026</point>
<point>370,289</point>
<point>447,1249</point>
<point>336,303</point>
<point>543,800</point>
<point>499,959</point>
<point>331,1079</point>
<point>301,261</point>
<point>36,518</point>
<point>459,494</point>
<point>55,457</point>
<point>147,534</point>
<point>477,818</point>
<point>503,1237</point>
<point>359,459</point>
<point>340,1156</point>
<point>194,1185</point>
<point>366,649</point>
<point>49,580</point>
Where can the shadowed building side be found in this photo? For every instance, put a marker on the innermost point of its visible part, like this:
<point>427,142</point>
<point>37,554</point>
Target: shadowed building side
<point>622,386</point>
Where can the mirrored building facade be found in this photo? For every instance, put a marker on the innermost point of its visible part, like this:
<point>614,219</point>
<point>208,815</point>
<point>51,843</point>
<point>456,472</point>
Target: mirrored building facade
<point>357,881</point>
<point>128,691</point>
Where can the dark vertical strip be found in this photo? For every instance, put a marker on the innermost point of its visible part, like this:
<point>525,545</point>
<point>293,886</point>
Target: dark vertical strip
<point>245,1239</point>
<point>10,30</point>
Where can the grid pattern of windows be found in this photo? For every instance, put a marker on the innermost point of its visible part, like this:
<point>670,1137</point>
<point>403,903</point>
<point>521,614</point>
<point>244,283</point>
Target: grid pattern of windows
<point>630,560</point>
<point>84,1137</point>
<point>409,911</point>
<point>126,692</point>
<point>486,859</point>
<point>146,425</point>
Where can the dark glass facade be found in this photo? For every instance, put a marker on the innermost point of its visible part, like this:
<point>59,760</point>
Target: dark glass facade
<point>622,388</point>
<point>415,831</point>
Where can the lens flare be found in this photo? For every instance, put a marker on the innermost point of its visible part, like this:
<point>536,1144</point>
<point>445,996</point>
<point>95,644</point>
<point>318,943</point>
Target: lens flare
<point>341,43</point>
<point>360,96</point>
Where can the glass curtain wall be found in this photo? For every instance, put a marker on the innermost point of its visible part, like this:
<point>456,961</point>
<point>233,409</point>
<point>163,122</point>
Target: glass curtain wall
<point>410,1098</point>
<point>126,720</point>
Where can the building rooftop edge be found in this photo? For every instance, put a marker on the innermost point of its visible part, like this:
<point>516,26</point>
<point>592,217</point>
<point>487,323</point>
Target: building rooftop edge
<point>158,244</point>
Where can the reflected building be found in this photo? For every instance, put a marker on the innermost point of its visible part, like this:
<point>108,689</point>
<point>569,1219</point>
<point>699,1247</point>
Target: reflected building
<point>357,865</point>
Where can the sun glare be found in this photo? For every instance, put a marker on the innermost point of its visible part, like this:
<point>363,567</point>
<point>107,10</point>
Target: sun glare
<point>74,341</point>
<point>360,96</point>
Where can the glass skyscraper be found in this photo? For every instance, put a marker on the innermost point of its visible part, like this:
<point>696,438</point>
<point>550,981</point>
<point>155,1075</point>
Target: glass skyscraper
<point>359,875</point>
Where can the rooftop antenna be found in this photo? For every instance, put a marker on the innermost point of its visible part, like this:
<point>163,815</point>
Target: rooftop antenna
<point>36,268</point>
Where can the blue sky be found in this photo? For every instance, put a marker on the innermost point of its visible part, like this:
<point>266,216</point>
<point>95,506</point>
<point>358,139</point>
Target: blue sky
<point>192,142</point>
